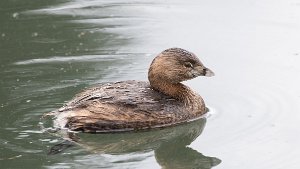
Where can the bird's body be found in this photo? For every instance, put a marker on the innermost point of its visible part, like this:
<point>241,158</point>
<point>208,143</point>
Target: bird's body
<point>122,106</point>
<point>136,105</point>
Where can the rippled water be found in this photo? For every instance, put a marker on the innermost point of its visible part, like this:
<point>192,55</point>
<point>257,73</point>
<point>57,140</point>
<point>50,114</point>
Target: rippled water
<point>50,50</point>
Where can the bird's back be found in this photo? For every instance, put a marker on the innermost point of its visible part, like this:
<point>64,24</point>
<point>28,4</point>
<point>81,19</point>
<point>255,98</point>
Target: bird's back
<point>121,106</point>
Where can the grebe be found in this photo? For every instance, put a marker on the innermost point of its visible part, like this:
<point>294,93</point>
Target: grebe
<point>136,105</point>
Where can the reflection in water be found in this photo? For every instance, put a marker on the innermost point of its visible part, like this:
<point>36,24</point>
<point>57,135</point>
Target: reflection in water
<point>175,154</point>
<point>169,145</point>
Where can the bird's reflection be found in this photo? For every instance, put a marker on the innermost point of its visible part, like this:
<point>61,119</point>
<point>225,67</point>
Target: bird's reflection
<point>169,145</point>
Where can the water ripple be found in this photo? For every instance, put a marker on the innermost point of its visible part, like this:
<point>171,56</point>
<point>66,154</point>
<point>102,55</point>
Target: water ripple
<point>82,58</point>
<point>258,117</point>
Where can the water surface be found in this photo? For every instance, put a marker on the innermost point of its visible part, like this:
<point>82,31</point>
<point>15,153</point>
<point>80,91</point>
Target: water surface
<point>50,50</point>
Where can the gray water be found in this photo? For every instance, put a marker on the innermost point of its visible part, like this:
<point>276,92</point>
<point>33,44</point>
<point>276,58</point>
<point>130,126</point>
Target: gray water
<point>51,49</point>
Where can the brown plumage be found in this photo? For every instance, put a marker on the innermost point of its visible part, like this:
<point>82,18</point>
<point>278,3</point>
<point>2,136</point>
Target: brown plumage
<point>136,105</point>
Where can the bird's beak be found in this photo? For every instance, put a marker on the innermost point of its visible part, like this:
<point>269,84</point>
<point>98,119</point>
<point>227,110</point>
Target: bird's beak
<point>202,71</point>
<point>208,72</point>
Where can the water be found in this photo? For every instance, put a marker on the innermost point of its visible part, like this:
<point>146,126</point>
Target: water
<point>50,50</point>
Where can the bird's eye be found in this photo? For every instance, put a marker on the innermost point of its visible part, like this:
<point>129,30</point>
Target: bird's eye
<point>188,64</point>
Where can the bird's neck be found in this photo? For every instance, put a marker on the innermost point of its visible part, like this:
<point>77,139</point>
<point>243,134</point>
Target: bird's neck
<point>180,92</point>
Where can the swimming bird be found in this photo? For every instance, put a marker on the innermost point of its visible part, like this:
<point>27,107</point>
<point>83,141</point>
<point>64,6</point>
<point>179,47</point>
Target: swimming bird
<point>137,105</point>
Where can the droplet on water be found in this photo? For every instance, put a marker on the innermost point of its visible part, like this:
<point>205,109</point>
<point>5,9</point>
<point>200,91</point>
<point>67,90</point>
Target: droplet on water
<point>35,34</point>
<point>15,15</point>
<point>81,34</point>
